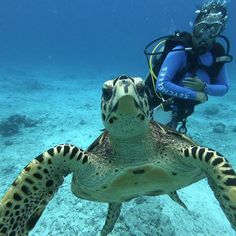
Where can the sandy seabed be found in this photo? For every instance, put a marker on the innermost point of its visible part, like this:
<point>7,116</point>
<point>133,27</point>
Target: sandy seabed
<point>66,108</point>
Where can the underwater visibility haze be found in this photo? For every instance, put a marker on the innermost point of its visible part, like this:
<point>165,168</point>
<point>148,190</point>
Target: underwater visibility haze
<point>55,56</point>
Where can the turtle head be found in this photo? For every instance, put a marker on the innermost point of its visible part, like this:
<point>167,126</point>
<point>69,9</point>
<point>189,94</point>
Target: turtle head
<point>125,110</point>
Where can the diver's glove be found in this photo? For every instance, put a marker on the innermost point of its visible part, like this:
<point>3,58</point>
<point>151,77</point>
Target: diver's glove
<point>194,83</point>
<point>201,97</point>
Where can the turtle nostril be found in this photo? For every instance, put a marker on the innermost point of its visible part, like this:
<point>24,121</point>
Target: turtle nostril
<point>123,77</point>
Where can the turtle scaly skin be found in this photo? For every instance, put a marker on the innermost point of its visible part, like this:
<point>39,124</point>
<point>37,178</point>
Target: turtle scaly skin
<point>133,157</point>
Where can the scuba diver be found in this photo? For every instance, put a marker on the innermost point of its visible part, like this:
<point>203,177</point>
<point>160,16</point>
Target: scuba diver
<point>189,67</point>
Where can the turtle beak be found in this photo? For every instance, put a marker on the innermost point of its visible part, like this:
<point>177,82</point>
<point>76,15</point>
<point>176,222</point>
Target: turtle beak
<point>127,105</point>
<point>126,112</point>
<point>125,100</point>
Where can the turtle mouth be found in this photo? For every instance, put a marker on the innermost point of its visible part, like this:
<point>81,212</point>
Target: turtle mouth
<point>126,108</point>
<point>126,105</point>
<point>124,102</point>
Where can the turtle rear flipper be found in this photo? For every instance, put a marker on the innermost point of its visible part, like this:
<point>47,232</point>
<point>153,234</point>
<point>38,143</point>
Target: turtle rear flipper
<point>221,177</point>
<point>175,197</point>
<point>25,201</point>
<point>112,216</point>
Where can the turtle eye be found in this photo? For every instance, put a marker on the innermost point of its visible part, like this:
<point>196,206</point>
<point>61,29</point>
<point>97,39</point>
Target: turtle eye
<point>140,89</point>
<point>106,92</point>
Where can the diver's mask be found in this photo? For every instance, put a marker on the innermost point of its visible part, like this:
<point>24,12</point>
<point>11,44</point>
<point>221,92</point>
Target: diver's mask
<point>205,29</point>
<point>204,34</point>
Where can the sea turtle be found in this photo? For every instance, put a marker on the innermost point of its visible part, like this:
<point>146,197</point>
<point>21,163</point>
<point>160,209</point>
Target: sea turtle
<point>133,157</point>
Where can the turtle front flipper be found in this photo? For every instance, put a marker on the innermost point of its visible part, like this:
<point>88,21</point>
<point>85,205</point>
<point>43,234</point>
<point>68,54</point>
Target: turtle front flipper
<point>221,177</point>
<point>26,199</point>
<point>112,216</point>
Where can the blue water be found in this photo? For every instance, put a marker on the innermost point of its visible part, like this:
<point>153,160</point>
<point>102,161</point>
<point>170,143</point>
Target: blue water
<point>54,57</point>
<point>104,34</point>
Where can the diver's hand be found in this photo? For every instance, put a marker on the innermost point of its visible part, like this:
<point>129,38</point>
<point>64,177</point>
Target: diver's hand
<point>201,97</point>
<point>194,83</point>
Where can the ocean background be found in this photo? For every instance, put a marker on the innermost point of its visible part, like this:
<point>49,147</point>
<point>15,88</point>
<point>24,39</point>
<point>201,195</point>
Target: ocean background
<point>54,57</point>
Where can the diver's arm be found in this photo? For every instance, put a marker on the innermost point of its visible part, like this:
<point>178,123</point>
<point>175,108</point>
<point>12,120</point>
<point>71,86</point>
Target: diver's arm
<point>221,85</point>
<point>174,62</point>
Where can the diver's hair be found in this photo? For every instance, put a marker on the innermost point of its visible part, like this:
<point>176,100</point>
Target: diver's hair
<point>216,8</point>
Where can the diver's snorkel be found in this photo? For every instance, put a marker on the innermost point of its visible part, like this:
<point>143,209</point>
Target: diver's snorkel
<point>201,47</point>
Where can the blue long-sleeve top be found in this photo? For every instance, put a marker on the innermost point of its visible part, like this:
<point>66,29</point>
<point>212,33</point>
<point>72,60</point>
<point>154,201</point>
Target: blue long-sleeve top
<point>174,62</point>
